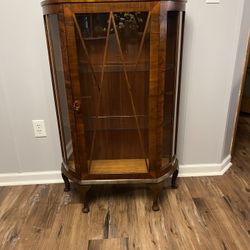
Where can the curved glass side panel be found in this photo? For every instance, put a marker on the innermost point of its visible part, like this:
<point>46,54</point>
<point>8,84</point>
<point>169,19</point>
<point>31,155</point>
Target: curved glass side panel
<point>60,91</point>
<point>173,41</point>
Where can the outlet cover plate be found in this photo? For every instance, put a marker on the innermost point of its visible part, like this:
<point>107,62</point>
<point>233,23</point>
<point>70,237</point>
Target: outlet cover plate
<point>39,128</point>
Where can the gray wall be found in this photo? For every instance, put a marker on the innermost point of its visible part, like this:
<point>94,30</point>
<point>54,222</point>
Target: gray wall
<point>210,49</point>
<point>26,91</point>
<point>237,77</point>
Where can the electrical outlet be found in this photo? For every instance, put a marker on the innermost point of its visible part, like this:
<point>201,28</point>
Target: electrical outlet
<point>39,128</point>
<point>212,1</point>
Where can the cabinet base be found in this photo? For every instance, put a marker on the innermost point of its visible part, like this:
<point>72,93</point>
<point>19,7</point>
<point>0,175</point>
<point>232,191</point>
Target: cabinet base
<point>156,184</point>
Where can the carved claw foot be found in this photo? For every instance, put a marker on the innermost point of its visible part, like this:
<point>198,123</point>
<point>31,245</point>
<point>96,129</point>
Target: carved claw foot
<point>85,209</point>
<point>175,175</point>
<point>66,183</point>
<point>155,206</point>
<point>156,189</point>
<point>84,195</point>
<point>174,178</point>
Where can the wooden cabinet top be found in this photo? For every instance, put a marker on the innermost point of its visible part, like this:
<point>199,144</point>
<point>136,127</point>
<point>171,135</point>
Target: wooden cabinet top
<point>47,2</point>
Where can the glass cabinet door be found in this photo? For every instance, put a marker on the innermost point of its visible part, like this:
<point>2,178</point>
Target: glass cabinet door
<point>112,54</point>
<point>113,61</point>
<point>124,68</point>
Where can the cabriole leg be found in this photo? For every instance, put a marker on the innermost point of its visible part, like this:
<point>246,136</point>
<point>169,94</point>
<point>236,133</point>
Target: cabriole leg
<point>156,189</point>
<point>175,175</point>
<point>66,182</point>
<point>84,195</point>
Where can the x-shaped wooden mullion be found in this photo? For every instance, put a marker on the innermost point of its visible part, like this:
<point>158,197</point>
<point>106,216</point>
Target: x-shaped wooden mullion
<point>100,87</point>
<point>128,86</point>
<point>100,92</point>
<point>142,41</point>
<point>86,51</point>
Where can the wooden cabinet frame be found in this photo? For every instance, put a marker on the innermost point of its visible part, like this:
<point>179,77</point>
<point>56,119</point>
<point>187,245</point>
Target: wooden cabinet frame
<point>64,33</point>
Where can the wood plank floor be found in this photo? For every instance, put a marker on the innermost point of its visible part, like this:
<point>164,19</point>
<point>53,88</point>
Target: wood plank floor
<point>203,213</point>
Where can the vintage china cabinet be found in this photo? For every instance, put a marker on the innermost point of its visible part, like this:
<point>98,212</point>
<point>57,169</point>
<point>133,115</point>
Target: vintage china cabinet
<point>115,67</point>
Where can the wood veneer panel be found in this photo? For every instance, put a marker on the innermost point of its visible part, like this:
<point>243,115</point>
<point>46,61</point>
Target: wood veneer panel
<point>100,1</point>
<point>69,94</point>
<point>161,88</point>
<point>73,65</point>
<point>52,9</point>
<point>154,157</point>
<point>106,8</point>
<point>121,166</point>
<point>245,105</point>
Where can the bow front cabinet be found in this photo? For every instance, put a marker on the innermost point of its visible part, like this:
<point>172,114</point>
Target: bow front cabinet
<point>115,69</point>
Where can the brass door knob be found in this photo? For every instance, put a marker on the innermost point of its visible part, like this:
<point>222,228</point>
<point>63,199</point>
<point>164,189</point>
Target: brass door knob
<point>76,105</point>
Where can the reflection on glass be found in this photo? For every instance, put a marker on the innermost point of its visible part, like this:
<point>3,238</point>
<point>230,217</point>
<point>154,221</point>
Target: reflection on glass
<point>60,85</point>
<point>170,83</point>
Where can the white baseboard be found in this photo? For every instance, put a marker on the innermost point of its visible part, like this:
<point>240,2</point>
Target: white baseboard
<point>205,169</point>
<point>31,178</point>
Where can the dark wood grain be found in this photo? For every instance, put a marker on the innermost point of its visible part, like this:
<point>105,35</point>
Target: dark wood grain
<point>154,157</point>
<point>120,64</point>
<point>243,81</point>
<point>119,244</point>
<point>69,93</point>
<point>74,76</point>
<point>48,2</point>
